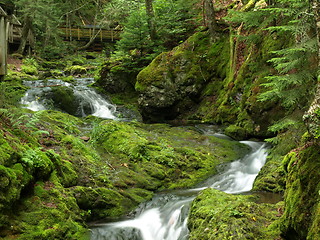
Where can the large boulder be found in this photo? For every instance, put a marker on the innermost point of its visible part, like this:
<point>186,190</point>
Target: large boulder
<point>172,83</point>
<point>115,78</point>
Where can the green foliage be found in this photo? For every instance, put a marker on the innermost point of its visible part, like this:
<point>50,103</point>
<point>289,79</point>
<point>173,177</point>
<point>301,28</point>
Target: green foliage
<point>294,64</point>
<point>172,20</point>
<point>282,125</point>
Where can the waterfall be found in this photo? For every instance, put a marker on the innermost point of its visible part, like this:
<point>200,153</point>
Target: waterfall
<point>165,216</point>
<point>38,97</point>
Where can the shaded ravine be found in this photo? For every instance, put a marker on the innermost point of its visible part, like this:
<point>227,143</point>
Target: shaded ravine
<point>88,102</point>
<point>165,216</point>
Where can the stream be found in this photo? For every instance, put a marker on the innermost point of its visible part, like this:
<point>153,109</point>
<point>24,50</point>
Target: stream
<point>165,216</point>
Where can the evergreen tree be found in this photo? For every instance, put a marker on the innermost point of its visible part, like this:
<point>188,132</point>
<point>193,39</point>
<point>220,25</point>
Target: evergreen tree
<point>172,25</point>
<point>294,64</point>
<point>42,18</point>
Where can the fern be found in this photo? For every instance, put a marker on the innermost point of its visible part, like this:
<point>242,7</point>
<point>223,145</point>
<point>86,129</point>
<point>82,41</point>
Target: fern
<point>295,72</point>
<point>282,125</point>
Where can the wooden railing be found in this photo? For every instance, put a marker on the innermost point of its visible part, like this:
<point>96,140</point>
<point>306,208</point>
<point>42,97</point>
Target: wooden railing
<point>15,34</point>
<point>88,33</point>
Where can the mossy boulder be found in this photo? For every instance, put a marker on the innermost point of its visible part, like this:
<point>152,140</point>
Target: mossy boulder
<point>173,81</point>
<point>64,99</point>
<point>218,215</point>
<point>102,202</point>
<point>236,132</point>
<point>114,77</point>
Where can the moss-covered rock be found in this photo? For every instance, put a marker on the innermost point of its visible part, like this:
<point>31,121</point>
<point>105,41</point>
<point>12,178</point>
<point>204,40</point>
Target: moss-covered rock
<point>116,78</point>
<point>178,155</point>
<point>301,216</point>
<point>217,215</point>
<point>173,81</point>
<point>271,178</point>
<point>63,98</point>
<point>101,202</point>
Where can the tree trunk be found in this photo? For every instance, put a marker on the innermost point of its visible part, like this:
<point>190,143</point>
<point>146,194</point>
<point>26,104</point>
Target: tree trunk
<point>209,16</point>
<point>25,33</point>
<point>311,117</point>
<point>150,19</point>
<point>3,47</point>
<point>316,12</point>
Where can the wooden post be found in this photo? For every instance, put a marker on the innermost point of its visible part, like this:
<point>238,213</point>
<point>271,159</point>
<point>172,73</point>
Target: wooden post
<point>3,44</point>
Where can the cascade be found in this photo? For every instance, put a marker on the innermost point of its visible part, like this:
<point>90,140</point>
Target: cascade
<point>87,101</point>
<point>165,216</point>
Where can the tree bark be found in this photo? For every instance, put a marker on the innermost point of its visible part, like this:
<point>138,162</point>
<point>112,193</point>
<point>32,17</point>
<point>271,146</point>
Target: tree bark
<point>25,33</point>
<point>209,16</point>
<point>151,20</point>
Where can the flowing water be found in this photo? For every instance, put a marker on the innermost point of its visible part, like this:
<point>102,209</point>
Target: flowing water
<point>165,216</point>
<point>87,101</point>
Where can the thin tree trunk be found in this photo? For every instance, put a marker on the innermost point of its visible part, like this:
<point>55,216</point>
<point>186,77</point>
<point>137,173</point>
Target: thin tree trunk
<point>210,18</point>
<point>150,19</point>
<point>25,33</point>
<point>316,12</point>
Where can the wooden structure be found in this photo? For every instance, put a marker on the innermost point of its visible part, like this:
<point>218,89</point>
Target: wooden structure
<point>87,33</point>
<point>15,34</point>
<point>3,43</point>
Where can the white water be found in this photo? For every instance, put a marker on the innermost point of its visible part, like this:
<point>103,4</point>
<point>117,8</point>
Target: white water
<point>165,217</point>
<point>88,100</point>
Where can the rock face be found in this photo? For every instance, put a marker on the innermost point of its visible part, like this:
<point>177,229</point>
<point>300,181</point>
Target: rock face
<point>172,83</point>
<point>301,216</point>
<point>207,81</point>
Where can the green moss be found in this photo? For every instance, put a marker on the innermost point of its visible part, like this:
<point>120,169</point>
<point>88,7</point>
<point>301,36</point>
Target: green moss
<point>300,219</point>
<point>271,177</point>
<point>10,186</point>
<point>75,70</point>
<point>172,157</point>
<point>37,163</point>
<point>65,170</point>
<point>217,215</point>
<point>236,132</point>
<point>31,70</point>
<point>102,202</point>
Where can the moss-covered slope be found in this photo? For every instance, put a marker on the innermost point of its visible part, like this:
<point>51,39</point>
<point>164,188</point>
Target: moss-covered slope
<point>215,81</point>
<point>301,215</point>
<point>57,171</point>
